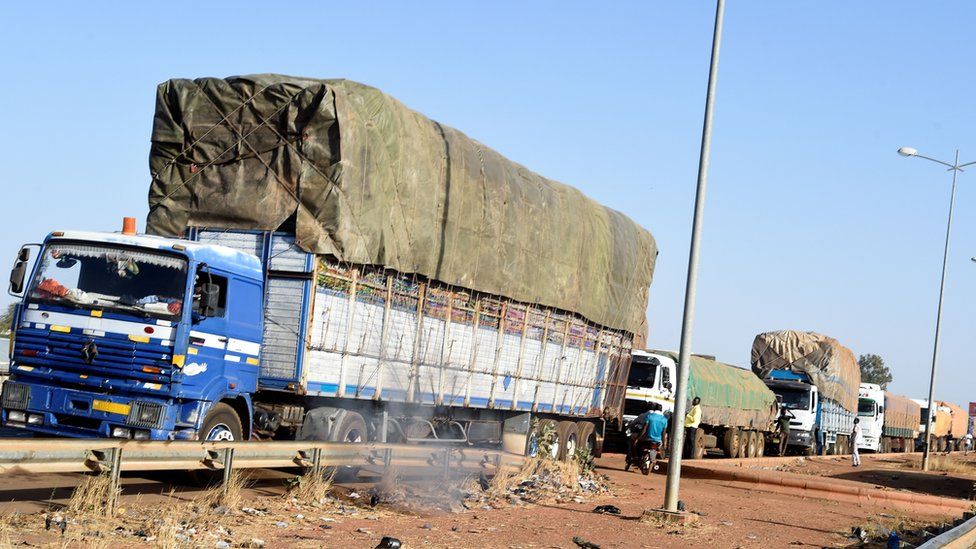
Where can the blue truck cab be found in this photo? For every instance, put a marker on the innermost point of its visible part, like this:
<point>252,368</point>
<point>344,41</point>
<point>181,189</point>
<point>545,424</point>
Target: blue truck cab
<point>132,336</point>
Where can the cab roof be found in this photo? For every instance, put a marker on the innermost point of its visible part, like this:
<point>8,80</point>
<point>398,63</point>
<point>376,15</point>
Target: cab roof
<point>221,257</point>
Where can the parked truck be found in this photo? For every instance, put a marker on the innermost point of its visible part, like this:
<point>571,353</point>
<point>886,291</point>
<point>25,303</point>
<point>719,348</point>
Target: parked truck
<point>958,424</point>
<point>889,423</point>
<point>817,380</point>
<point>327,264</point>
<point>941,421</point>
<point>738,410</point>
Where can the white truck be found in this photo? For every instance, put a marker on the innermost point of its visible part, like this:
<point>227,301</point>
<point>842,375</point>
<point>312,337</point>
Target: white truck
<point>889,423</point>
<point>737,409</point>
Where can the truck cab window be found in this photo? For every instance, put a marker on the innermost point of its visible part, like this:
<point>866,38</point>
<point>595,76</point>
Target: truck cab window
<point>642,373</point>
<point>665,378</point>
<point>205,286</point>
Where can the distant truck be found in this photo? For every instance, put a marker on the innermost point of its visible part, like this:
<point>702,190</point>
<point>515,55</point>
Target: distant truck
<point>889,423</point>
<point>817,379</point>
<point>941,420</point>
<point>738,410</point>
<point>959,424</point>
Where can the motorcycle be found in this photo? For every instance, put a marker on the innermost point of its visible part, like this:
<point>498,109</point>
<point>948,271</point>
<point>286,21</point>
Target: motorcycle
<point>642,452</point>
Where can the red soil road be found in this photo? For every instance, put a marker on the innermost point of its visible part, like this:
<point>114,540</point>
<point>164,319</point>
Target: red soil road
<point>732,515</point>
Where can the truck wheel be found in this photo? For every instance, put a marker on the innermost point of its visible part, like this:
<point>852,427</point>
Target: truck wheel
<point>552,428</point>
<point>221,424</point>
<point>569,435</point>
<point>760,444</point>
<point>730,442</point>
<point>587,436</point>
<point>750,444</point>
<point>352,429</point>
<point>743,444</point>
<point>697,441</point>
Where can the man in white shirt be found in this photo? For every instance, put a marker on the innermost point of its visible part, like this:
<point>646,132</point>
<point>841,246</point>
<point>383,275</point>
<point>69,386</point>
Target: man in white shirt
<point>855,441</point>
<point>967,443</point>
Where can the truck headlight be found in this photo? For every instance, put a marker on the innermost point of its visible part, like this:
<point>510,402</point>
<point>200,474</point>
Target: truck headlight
<point>16,415</point>
<point>120,432</point>
<point>140,435</point>
<point>35,419</point>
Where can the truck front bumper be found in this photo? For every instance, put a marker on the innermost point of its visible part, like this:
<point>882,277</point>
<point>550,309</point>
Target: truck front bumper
<point>801,438</point>
<point>63,412</point>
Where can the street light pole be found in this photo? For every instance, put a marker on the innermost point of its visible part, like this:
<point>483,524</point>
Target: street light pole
<point>681,389</point>
<point>955,168</point>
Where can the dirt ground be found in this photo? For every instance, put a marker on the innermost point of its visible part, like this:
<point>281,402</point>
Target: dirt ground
<point>730,514</point>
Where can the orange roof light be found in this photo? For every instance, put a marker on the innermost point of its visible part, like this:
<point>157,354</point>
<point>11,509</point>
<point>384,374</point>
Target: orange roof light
<point>128,225</point>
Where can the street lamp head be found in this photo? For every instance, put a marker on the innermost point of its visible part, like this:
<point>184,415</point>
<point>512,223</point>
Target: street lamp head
<point>973,259</point>
<point>907,151</point>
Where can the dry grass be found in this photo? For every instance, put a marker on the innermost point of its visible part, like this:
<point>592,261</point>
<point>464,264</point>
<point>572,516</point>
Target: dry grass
<point>216,495</point>
<point>90,497</point>
<point>312,488</point>
<point>945,464</point>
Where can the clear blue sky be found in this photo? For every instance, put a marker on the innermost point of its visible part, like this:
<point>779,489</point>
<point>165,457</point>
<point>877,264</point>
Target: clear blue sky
<point>812,221</point>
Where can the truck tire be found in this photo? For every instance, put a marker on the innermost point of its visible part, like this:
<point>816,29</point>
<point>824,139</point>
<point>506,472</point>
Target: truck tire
<point>696,444</point>
<point>743,444</point>
<point>569,435</point>
<point>221,424</point>
<point>730,442</point>
<point>552,427</point>
<point>760,444</point>
<point>750,444</point>
<point>351,429</point>
<point>587,436</point>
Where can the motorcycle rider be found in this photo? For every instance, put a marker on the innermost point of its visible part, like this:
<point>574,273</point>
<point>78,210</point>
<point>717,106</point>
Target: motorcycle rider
<point>647,430</point>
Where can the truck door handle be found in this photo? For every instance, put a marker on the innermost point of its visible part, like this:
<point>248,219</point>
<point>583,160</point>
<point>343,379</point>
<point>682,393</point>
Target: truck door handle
<point>222,339</point>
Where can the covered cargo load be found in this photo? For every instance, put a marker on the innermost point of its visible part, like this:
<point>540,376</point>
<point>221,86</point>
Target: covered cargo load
<point>730,396</point>
<point>829,365</point>
<point>959,420</point>
<point>367,181</point>
<point>900,416</point>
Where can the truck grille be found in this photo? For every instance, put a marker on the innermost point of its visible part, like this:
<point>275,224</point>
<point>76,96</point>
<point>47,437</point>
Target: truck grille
<point>146,414</point>
<point>15,395</point>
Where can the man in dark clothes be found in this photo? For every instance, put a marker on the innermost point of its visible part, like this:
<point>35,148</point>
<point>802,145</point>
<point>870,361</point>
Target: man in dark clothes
<point>785,415</point>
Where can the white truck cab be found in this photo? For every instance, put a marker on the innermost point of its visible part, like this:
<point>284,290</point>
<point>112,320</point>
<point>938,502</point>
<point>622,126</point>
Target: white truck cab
<point>870,412</point>
<point>801,399</point>
<point>651,379</point>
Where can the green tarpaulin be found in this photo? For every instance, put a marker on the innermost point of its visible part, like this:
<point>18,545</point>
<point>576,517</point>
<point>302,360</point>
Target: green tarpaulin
<point>729,396</point>
<point>369,181</point>
<point>829,365</point>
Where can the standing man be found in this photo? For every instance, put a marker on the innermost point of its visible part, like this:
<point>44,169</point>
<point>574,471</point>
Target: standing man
<point>694,415</point>
<point>948,442</point>
<point>855,442</point>
<point>783,423</point>
<point>967,443</point>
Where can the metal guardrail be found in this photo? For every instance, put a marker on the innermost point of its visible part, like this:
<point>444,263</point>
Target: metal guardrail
<point>113,457</point>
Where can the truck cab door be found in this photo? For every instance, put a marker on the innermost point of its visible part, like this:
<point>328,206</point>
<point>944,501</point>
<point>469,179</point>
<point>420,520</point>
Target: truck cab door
<point>208,332</point>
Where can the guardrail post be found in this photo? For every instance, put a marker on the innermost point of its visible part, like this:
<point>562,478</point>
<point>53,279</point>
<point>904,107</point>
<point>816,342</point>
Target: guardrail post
<point>447,463</point>
<point>228,469</point>
<point>316,461</point>
<point>115,473</point>
<point>384,423</point>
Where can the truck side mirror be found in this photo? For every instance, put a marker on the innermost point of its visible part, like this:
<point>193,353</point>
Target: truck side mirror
<point>668,385</point>
<point>209,299</point>
<point>19,272</point>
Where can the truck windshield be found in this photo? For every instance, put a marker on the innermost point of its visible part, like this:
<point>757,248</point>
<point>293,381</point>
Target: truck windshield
<point>91,276</point>
<point>795,399</point>
<point>866,407</point>
<point>642,374</point>
<point>924,415</point>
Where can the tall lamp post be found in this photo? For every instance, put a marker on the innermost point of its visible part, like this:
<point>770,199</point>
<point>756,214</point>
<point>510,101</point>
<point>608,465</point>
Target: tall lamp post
<point>955,167</point>
<point>681,389</point>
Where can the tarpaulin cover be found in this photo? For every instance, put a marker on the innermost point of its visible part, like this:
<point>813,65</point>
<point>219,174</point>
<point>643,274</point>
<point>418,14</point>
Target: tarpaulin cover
<point>830,365</point>
<point>730,396</point>
<point>941,422</point>
<point>960,419</point>
<point>901,416</point>
<point>370,181</point>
